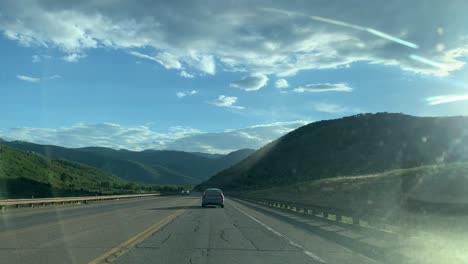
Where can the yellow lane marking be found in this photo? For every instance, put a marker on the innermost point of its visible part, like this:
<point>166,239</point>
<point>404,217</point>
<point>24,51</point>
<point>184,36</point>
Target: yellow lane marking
<point>124,247</point>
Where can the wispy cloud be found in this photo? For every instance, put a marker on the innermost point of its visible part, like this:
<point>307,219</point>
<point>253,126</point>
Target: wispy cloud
<point>281,84</point>
<point>28,78</point>
<point>74,57</point>
<point>186,93</point>
<point>251,83</point>
<point>323,87</point>
<point>53,77</point>
<point>142,137</point>
<point>330,108</point>
<point>37,79</point>
<point>186,74</point>
<point>226,101</point>
<point>40,58</point>
<point>166,59</point>
<point>141,55</point>
<point>249,44</point>
<point>444,99</point>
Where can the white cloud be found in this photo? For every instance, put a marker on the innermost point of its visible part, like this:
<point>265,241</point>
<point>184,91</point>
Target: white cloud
<point>230,140</point>
<point>279,40</point>
<point>102,134</point>
<point>444,99</point>
<point>186,93</point>
<point>251,83</point>
<point>323,87</point>
<point>168,61</point>
<point>186,74</point>
<point>281,83</point>
<point>330,108</point>
<point>28,78</point>
<point>74,57</point>
<point>40,58</point>
<point>37,79</point>
<point>53,77</point>
<point>203,63</point>
<point>142,56</point>
<point>141,137</point>
<point>226,101</point>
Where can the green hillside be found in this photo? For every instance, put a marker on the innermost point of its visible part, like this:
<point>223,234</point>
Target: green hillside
<point>357,145</point>
<point>149,166</point>
<point>381,193</point>
<point>26,174</point>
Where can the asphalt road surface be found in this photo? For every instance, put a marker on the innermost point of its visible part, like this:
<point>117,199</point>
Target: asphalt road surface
<point>171,229</point>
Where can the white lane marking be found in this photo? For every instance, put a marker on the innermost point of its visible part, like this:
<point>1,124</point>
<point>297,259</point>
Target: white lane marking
<point>308,253</point>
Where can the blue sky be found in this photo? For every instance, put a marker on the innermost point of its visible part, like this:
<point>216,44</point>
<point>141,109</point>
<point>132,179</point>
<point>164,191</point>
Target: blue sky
<point>221,77</point>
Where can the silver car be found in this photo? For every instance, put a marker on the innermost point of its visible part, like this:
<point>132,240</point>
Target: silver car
<point>213,196</point>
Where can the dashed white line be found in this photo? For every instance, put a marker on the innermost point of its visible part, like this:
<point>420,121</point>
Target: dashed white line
<point>308,253</point>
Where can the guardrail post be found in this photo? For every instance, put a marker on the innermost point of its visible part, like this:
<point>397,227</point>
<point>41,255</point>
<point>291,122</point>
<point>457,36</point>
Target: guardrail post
<point>32,205</point>
<point>339,218</point>
<point>3,208</point>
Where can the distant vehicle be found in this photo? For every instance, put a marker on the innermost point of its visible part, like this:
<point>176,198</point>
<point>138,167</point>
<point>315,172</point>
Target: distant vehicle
<point>187,192</point>
<point>213,196</point>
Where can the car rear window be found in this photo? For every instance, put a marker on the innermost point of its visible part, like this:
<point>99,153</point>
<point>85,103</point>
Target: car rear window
<point>213,192</point>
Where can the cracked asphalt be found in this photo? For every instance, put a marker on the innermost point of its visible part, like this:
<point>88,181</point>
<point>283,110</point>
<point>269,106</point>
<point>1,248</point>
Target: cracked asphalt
<point>230,235</point>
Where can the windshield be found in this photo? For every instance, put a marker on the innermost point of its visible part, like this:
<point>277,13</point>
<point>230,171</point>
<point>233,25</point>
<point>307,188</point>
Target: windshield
<point>322,131</point>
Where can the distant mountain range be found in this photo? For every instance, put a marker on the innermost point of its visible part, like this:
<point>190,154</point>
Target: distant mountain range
<point>149,166</point>
<point>355,145</point>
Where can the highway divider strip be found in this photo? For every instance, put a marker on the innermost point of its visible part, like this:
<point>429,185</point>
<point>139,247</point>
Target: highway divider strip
<point>113,254</point>
<point>339,216</point>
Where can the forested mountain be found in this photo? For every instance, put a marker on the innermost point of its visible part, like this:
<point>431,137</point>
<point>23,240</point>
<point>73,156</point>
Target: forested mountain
<point>26,174</point>
<point>355,145</point>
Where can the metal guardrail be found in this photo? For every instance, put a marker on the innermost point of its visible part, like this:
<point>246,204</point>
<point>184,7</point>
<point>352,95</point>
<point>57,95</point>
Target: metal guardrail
<point>309,209</point>
<point>63,200</point>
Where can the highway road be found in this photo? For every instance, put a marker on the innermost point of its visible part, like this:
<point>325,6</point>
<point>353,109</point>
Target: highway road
<point>171,229</point>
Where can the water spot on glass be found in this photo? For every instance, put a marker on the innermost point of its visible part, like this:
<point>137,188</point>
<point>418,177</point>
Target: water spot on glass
<point>440,31</point>
<point>440,47</point>
<point>424,139</point>
<point>361,45</point>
